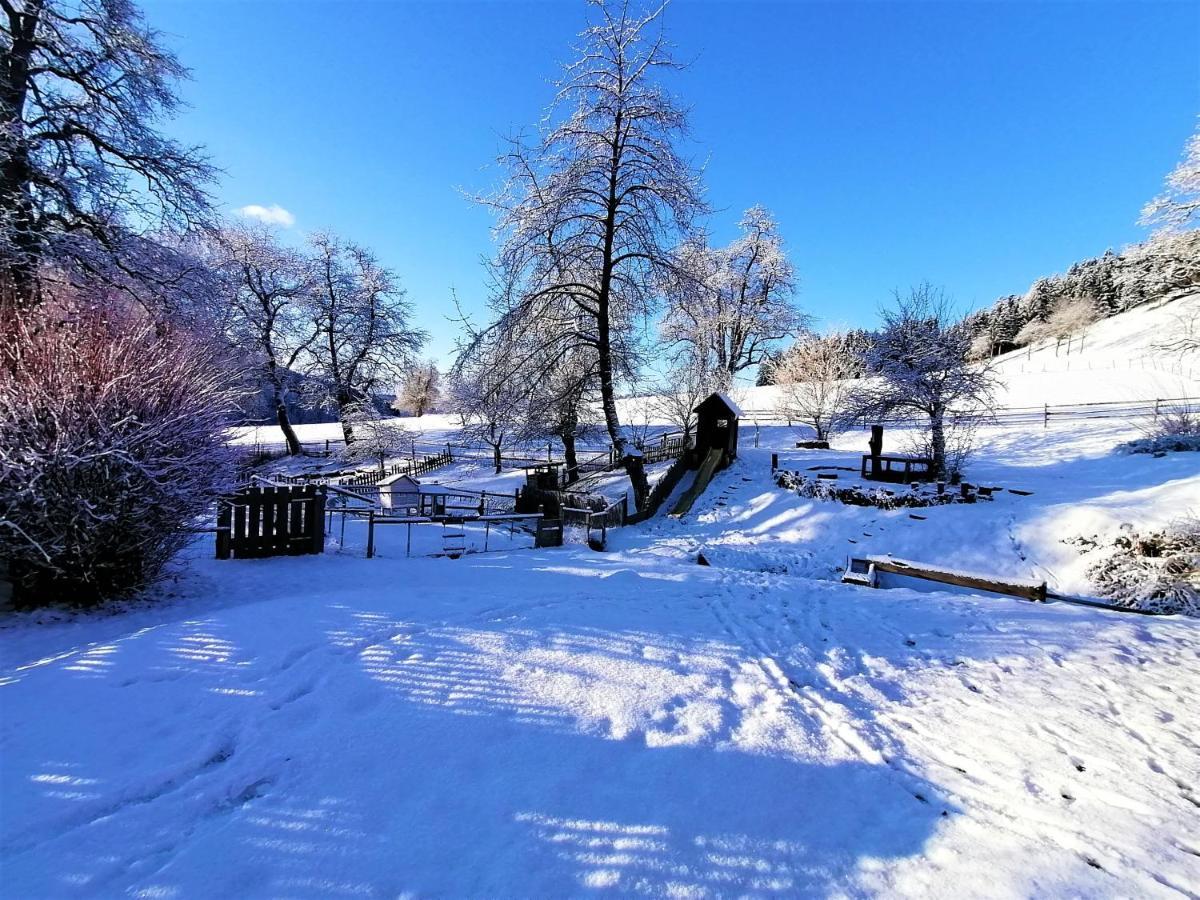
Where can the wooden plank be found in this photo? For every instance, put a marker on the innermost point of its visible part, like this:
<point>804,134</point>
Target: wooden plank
<point>253,539</point>
<point>297,535</point>
<point>266,542</point>
<point>282,524</point>
<point>1027,590</point>
<point>238,542</point>
<point>224,526</point>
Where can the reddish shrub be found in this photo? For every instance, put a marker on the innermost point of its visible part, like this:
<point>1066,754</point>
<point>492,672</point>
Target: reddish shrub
<point>111,441</point>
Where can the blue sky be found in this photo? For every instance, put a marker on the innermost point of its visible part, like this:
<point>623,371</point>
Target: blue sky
<point>977,145</point>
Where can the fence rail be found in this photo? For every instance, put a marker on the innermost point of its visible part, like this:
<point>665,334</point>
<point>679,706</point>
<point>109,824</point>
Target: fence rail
<point>1020,415</point>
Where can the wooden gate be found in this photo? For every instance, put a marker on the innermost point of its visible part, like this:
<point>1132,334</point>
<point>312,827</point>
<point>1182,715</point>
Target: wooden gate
<point>271,521</point>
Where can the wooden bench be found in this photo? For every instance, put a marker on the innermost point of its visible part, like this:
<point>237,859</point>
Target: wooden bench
<point>896,469</point>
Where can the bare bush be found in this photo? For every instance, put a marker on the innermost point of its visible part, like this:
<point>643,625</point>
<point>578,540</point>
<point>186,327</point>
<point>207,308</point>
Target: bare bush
<point>1174,430</point>
<point>111,442</point>
<point>1156,571</point>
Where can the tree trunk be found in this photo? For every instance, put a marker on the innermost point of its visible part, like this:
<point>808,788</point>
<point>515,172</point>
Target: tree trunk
<point>285,425</point>
<point>279,398</point>
<point>937,442</point>
<point>496,457</point>
<point>15,173</point>
<point>344,403</point>
<point>630,457</point>
<point>572,467</point>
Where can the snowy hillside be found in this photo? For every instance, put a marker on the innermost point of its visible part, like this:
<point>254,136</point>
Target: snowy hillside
<point>1118,358</point>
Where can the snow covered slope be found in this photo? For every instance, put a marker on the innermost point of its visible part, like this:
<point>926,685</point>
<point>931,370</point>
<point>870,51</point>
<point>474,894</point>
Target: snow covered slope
<point>560,722</point>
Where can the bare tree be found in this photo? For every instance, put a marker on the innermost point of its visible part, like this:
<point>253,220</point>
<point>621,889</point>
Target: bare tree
<point>561,406</point>
<point>489,398</point>
<point>688,381</point>
<point>589,211</point>
<point>815,379</point>
<point>732,306</point>
<point>269,288</point>
<point>363,323</point>
<point>919,365</point>
<point>1179,205</point>
<point>420,388</point>
<point>375,438</point>
<point>83,85</point>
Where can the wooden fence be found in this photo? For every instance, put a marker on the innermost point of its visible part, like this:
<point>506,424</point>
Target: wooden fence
<point>596,523</point>
<point>1026,415</point>
<point>271,521</point>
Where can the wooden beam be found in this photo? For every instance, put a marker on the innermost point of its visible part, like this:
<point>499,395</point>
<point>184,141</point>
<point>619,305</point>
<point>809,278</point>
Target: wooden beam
<point>1027,590</point>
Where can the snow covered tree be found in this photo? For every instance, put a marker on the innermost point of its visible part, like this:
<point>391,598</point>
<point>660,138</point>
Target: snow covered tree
<point>83,86</point>
<point>420,388</point>
<point>1069,318</point>
<point>815,380</point>
<point>590,210</point>
<point>688,381</point>
<point>365,336</point>
<point>112,441</point>
<point>1165,265</point>
<point>732,306</point>
<point>1179,205</point>
<point>919,360</point>
<point>562,405</point>
<point>269,316</point>
<point>490,397</point>
<point>375,438</point>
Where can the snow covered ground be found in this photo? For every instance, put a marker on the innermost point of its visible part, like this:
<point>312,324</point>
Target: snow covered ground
<point>554,722</point>
<point>562,722</point>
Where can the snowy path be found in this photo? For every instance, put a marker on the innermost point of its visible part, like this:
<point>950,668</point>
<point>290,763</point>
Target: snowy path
<point>555,722</point>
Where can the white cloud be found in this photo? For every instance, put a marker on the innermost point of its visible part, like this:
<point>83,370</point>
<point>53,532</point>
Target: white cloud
<point>269,215</point>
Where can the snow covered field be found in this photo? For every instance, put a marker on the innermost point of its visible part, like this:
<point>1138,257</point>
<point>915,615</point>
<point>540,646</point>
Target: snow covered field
<point>563,722</point>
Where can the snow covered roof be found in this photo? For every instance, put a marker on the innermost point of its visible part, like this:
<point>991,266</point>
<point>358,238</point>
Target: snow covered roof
<point>402,481</point>
<point>724,398</point>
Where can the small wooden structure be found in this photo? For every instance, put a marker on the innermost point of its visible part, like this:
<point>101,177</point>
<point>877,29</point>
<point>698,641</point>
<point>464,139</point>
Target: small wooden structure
<point>271,521</point>
<point>867,571</point>
<point>544,476</point>
<point>400,495</point>
<point>716,428</point>
<point>897,469</point>
<point>893,468</point>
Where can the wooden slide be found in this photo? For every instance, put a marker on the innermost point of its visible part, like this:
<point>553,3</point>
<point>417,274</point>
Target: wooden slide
<point>703,477</point>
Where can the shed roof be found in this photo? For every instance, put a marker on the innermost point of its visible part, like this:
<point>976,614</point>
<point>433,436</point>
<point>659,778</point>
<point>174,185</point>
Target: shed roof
<point>402,481</point>
<point>724,398</point>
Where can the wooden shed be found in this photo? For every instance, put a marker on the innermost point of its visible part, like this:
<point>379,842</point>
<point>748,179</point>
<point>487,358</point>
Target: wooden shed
<point>400,495</point>
<point>717,427</point>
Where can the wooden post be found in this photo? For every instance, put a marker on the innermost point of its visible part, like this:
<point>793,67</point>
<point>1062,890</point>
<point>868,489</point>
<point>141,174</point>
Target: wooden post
<point>224,525</point>
<point>317,520</point>
<point>774,461</point>
<point>1046,415</point>
<point>370,534</point>
<point>1156,402</point>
